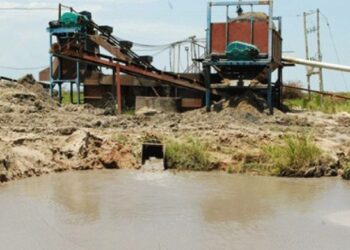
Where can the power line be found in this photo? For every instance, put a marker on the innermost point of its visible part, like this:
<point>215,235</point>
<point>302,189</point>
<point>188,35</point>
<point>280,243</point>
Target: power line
<point>334,47</point>
<point>27,68</point>
<point>27,8</point>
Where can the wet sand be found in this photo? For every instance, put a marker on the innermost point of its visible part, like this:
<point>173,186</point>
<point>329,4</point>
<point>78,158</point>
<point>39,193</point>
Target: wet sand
<point>143,210</point>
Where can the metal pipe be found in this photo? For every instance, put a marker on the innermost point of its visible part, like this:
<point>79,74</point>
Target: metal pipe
<point>59,11</point>
<point>227,25</point>
<point>252,24</point>
<point>316,64</point>
<point>208,33</point>
<point>270,41</point>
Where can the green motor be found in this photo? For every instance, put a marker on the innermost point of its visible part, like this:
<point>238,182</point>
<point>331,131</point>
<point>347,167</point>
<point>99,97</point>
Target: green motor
<point>70,19</point>
<point>240,51</point>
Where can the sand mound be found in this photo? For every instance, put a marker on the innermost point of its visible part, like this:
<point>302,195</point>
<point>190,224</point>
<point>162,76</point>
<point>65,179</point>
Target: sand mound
<point>249,102</point>
<point>25,96</point>
<point>33,155</point>
<point>247,16</point>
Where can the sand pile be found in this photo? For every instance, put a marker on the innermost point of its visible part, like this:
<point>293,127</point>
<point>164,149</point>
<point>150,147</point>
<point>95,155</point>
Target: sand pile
<point>26,96</point>
<point>34,155</point>
<point>247,16</point>
<point>249,102</point>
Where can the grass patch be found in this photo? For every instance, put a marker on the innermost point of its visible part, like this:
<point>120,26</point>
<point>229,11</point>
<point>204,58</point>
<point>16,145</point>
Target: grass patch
<point>120,139</point>
<point>346,174</point>
<point>230,170</point>
<point>259,168</point>
<point>292,93</point>
<point>129,111</point>
<point>187,154</point>
<point>324,104</point>
<point>295,154</point>
<point>66,97</point>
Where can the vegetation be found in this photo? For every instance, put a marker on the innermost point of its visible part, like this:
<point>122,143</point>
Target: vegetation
<point>346,174</point>
<point>187,154</point>
<point>296,153</point>
<point>291,93</point>
<point>66,97</point>
<point>120,138</point>
<point>324,104</point>
<point>129,111</point>
<point>230,170</point>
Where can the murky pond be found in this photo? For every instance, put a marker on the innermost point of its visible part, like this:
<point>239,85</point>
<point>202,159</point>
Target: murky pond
<point>138,210</point>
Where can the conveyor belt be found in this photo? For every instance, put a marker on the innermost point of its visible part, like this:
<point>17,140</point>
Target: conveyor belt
<point>135,65</point>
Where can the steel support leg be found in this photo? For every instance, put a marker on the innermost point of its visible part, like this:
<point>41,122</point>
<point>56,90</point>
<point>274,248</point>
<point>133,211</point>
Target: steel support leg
<point>269,92</point>
<point>50,69</point>
<point>207,81</point>
<point>52,87</point>
<point>60,92</point>
<point>119,94</point>
<point>78,82</point>
<point>71,93</point>
<point>280,87</point>
<point>114,88</point>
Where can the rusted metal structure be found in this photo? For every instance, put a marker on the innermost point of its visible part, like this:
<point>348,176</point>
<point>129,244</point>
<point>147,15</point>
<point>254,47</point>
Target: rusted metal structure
<point>263,32</point>
<point>75,58</point>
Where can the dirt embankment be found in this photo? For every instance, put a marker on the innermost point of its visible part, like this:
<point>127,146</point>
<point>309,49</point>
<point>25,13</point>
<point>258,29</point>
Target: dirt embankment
<point>37,136</point>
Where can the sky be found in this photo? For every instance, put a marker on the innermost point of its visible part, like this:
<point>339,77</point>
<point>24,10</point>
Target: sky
<point>24,42</point>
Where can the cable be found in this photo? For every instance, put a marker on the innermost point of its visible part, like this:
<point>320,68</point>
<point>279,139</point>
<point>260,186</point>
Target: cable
<point>167,45</point>
<point>15,68</point>
<point>27,8</point>
<point>335,48</point>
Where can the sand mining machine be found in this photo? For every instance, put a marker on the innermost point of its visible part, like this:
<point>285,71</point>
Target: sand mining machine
<point>241,54</point>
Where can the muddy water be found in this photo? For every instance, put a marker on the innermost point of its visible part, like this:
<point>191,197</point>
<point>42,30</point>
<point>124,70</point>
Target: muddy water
<point>136,210</point>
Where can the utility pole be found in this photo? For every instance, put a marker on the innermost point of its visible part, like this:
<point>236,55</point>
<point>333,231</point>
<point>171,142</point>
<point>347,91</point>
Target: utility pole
<point>308,69</point>
<point>320,73</point>
<point>307,31</point>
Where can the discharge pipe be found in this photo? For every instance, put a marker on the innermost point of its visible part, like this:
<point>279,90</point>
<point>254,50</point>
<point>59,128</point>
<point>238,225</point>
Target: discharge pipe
<point>316,64</point>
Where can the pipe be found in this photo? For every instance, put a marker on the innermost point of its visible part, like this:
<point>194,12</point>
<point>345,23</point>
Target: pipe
<point>316,64</point>
<point>208,31</point>
<point>271,28</point>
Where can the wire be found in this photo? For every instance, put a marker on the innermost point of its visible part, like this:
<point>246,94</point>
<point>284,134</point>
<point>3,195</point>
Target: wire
<point>27,8</point>
<point>167,45</point>
<point>15,68</point>
<point>335,47</point>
